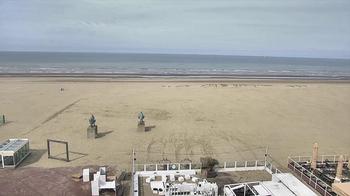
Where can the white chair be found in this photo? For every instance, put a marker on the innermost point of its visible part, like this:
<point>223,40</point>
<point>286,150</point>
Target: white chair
<point>95,190</point>
<point>108,185</point>
<point>100,182</point>
<point>194,179</point>
<point>97,176</point>
<point>172,177</point>
<point>180,179</point>
<point>103,170</point>
<point>164,178</point>
<point>86,175</point>
<point>102,179</point>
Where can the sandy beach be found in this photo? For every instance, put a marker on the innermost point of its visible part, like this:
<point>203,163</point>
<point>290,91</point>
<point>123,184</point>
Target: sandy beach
<point>229,120</point>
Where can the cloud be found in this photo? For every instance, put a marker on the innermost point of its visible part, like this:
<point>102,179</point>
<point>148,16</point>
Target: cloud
<point>271,27</point>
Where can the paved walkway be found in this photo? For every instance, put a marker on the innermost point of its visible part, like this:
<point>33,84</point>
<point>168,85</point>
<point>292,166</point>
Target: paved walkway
<point>41,181</point>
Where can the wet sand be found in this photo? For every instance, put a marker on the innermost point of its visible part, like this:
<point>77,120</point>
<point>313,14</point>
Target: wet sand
<point>227,119</point>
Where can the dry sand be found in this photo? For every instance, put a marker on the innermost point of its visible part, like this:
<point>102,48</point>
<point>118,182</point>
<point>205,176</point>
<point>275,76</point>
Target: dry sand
<point>227,120</point>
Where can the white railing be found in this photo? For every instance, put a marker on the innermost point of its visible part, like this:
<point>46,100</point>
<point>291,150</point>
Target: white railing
<point>242,166</point>
<point>165,167</point>
<point>321,158</point>
<point>310,178</point>
<point>226,166</point>
<point>191,167</point>
<point>271,168</point>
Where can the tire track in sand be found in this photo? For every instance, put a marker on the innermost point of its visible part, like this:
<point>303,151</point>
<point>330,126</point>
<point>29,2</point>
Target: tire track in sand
<point>54,115</point>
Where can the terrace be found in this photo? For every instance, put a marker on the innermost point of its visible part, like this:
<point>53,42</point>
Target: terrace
<point>323,176</point>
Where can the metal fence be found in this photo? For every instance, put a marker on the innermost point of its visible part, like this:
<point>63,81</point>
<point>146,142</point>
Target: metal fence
<point>166,167</point>
<point>321,158</point>
<point>308,177</point>
<point>222,166</point>
<point>234,166</point>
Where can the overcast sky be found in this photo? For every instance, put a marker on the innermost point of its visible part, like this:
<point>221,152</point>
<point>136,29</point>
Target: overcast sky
<point>312,28</point>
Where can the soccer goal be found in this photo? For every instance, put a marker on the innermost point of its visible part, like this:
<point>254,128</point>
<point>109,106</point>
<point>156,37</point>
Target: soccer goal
<point>49,141</point>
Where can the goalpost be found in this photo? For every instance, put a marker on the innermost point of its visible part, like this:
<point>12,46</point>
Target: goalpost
<point>49,149</point>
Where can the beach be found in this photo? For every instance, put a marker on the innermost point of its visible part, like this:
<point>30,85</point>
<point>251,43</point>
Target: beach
<point>186,119</point>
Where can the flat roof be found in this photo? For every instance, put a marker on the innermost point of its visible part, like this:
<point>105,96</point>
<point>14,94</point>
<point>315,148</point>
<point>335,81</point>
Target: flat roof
<point>282,184</point>
<point>277,188</point>
<point>342,189</point>
<point>293,184</point>
<point>262,190</point>
<point>12,145</point>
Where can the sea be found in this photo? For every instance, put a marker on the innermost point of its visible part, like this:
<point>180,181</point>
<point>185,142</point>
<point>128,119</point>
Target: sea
<point>170,65</point>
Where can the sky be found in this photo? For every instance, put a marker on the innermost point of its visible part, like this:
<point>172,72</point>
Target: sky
<point>301,28</point>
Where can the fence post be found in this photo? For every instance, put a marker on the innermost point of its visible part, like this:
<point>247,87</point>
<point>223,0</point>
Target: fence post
<point>67,151</point>
<point>301,173</point>
<point>315,183</point>
<point>294,166</point>
<point>48,149</point>
<point>310,178</point>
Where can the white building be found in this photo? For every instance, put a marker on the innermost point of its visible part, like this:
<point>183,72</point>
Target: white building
<point>282,184</point>
<point>13,152</point>
<point>181,179</point>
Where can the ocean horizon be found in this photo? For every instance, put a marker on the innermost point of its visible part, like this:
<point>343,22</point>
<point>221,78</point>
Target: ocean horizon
<point>169,64</point>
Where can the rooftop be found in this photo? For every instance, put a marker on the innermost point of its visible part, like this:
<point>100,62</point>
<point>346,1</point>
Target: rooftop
<point>282,184</point>
<point>322,177</point>
<point>263,178</point>
<point>293,184</point>
<point>12,144</point>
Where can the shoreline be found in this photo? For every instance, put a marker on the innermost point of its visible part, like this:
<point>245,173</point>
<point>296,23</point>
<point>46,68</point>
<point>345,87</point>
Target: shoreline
<point>102,77</point>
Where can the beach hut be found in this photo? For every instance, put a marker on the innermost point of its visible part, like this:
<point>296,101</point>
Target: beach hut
<point>13,152</point>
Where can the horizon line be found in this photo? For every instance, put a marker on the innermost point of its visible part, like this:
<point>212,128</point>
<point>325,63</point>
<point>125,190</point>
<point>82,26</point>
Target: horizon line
<point>159,53</point>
